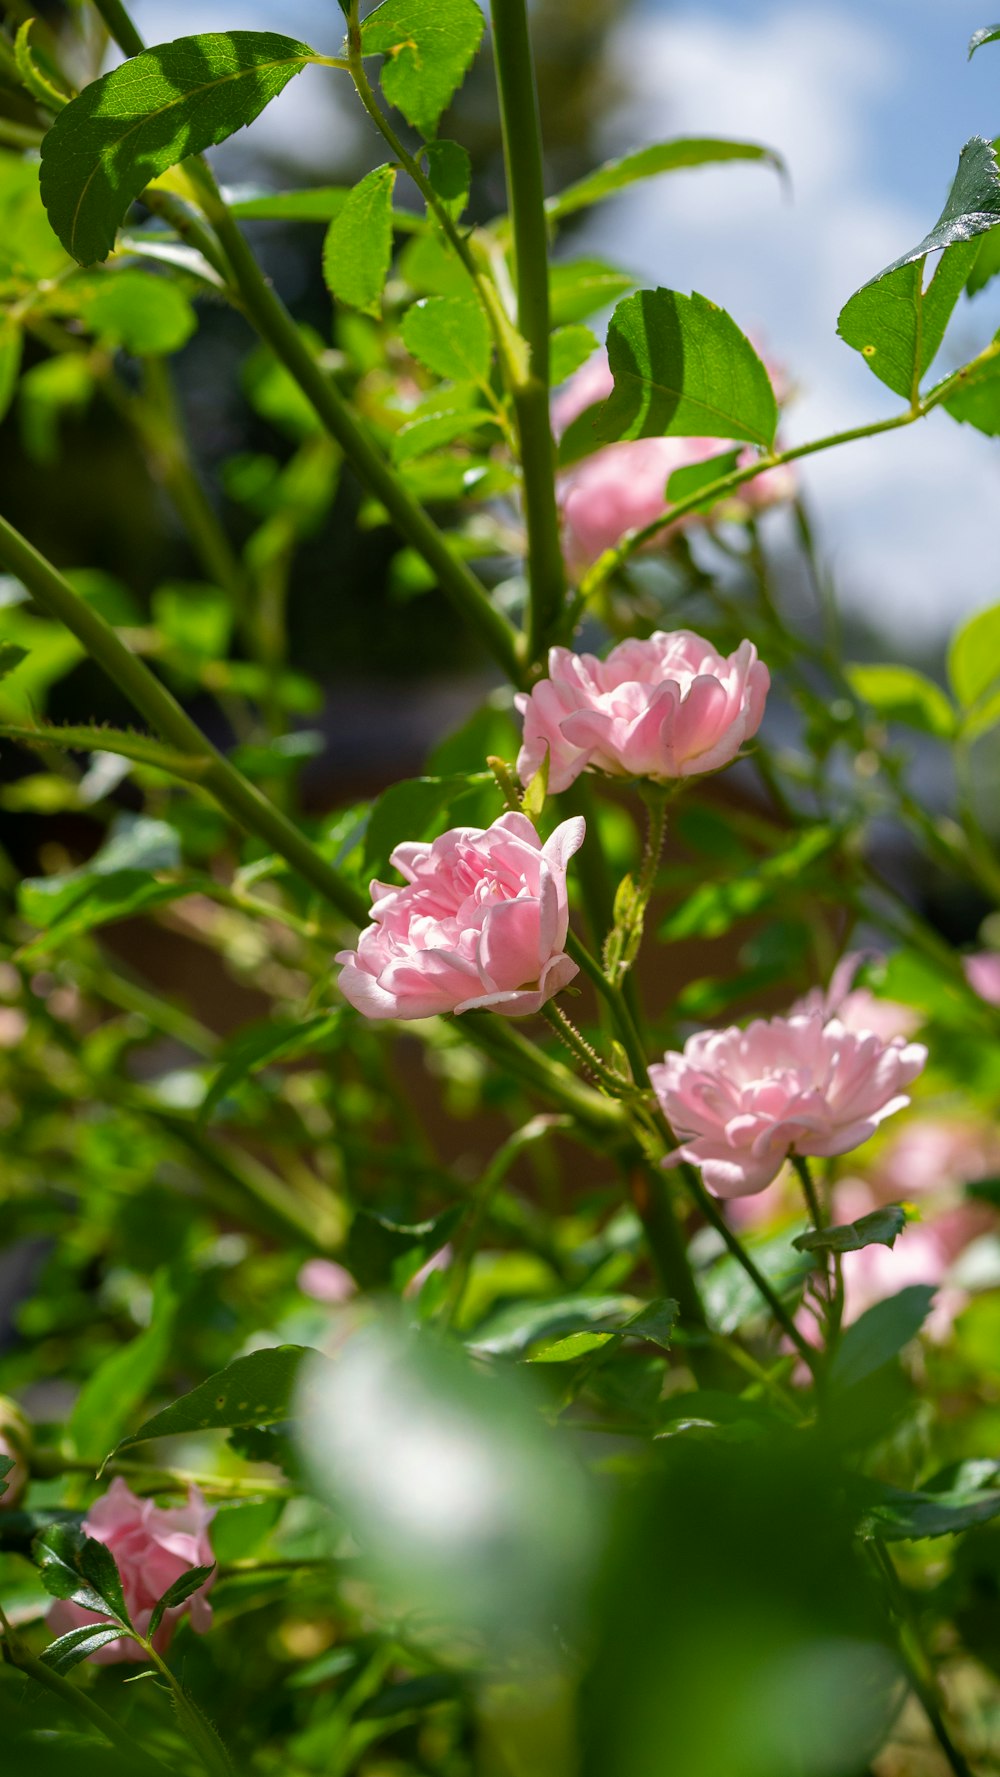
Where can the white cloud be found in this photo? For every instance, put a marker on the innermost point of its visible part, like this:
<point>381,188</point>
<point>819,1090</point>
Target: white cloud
<point>817,86</point>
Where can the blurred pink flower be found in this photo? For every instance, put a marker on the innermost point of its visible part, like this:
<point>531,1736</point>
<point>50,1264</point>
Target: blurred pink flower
<point>667,707</point>
<point>982,972</point>
<point>326,1281</point>
<point>481,921</point>
<point>856,1007</point>
<point>623,487</point>
<point>933,1153</point>
<point>153,1546</point>
<point>742,1101</point>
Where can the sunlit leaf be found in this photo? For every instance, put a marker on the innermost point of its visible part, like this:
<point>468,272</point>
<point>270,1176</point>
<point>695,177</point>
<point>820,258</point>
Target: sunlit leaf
<point>358,247</point>
<point>147,115</point>
<point>681,368</point>
<point>647,163</point>
<point>253,1390</point>
<point>428,45</point>
<point>451,336</point>
<point>901,694</point>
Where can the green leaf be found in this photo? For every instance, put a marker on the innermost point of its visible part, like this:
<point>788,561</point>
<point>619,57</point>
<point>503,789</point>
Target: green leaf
<point>879,1334</point>
<point>682,368</point>
<point>976,402</point>
<point>181,1589</point>
<point>987,261</point>
<point>145,314</point>
<point>579,287</point>
<point>116,883</point>
<point>449,169</point>
<point>253,1390</point>
<point>451,336</point>
<point>511,1331</point>
<point>132,124</point>
<point>281,1039</point>
<point>428,46</point>
<point>731,1297</point>
<point>569,349</point>
<point>897,325</point>
<point>973,205</point>
<point>655,1323</point>
<point>901,694</point>
<point>694,476</point>
<point>411,808</point>
<point>357,251</point>
<point>11,657</point>
<point>646,163</point>
<point>974,657</point>
<point>78,1567</point>
<point>121,1383</point>
<point>10,360</point>
<point>441,422</point>
<point>987,34</point>
<point>319,204</point>
<point>381,1252</point>
<point>879,1228</point>
<point>122,894</point>
<point>6,1464</point>
<point>78,1644</point>
<point>894,1515</point>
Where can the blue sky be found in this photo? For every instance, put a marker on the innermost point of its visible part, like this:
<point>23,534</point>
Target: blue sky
<point>870,104</point>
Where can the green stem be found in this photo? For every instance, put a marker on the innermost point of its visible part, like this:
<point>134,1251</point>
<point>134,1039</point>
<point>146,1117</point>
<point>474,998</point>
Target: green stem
<point>77,1701</point>
<point>203,1737</point>
<point>809,1190</point>
<point>492,1179</point>
<point>650,1195</point>
<point>522,144</point>
<point>20,135</point>
<point>600,1115</point>
<point>918,1664</point>
<point>613,559</point>
<point>509,345</point>
<point>567,1032</point>
<point>120,26</point>
<point>268,314</point>
<point>234,793</point>
<point>710,1210</point>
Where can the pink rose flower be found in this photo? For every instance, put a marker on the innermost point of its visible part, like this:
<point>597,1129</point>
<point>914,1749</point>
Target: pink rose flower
<point>742,1101</point>
<point>931,1154</point>
<point>857,1007</point>
<point>153,1546</point>
<point>982,972</point>
<point>623,487</point>
<point>664,708</point>
<point>326,1281</point>
<point>481,921</point>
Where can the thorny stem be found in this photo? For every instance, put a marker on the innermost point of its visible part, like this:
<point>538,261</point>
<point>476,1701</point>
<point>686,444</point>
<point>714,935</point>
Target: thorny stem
<point>917,1661</point>
<point>522,144</point>
<point>248,807</point>
<point>577,1043</point>
<point>76,1700</point>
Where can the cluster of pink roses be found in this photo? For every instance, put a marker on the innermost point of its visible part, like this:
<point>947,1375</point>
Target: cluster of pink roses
<point>482,920</point>
<point>483,917</point>
<point>623,487</point>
